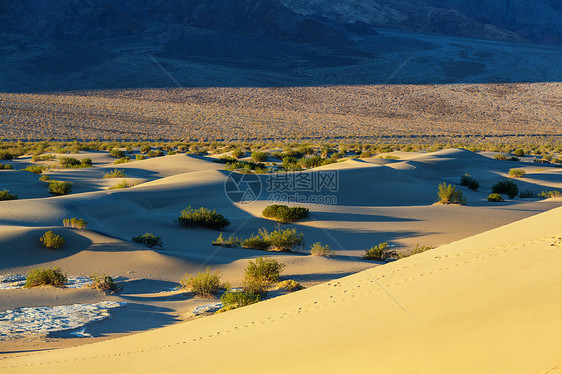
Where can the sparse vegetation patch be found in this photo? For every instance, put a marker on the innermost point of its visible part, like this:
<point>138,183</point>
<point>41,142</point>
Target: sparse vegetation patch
<point>202,217</point>
<point>148,240</point>
<point>40,276</point>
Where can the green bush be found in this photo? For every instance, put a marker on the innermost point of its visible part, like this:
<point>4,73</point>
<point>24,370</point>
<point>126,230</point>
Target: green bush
<point>495,197</point>
<point>121,185</point>
<point>69,162</point>
<point>117,153</point>
<point>506,187</point>
<point>282,240</point>
<point>468,180</point>
<point>115,173</point>
<point>104,283</point>
<point>448,194</point>
<point>148,240</point>
<point>6,195</point>
<point>380,252</point>
<point>266,269</point>
<point>52,240</point>
<point>58,188</point>
<point>86,163</point>
<point>517,173</point>
<point>283,213</point>
<point>202,217</point>
<point>519,152</point>
<point>6,167</point>
<point>203,283</point>
<point>237,153</point>
<point>5,155</point>
<point>40,276</point>
<point>44,178</point>
<point>546,194</point>
<point>256,242</point>
<point>36,169</point>
<point>259,156</point>
<point>234,300</point>
<point>231,242</point>
<point>145,149</point>
<point>122,160</point>
<point>140,157</point>
<point>155,153</point>
<point>317,249</point>
<point>75,223</point>
<point>527,194</point>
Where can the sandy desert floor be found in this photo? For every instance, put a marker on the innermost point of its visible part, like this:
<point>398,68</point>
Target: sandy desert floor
<point>497,286</point>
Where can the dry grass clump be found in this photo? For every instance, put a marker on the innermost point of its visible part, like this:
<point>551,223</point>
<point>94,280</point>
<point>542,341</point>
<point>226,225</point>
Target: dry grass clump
<point>75,223</point>
<point>115,173</point>
<point>232,241</point>
<point>549,194</point>
<point>318,249</point>
<point>449,194</point>
<point>417,250</point>
<point>289,285</point>
<point>121,185</point>
<point>105,283</point>
<point>380,252</point>
<point>205,283</point>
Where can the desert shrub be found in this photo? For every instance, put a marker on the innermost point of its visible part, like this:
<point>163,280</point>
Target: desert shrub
<point>5,155</point>
<point>86,162</point>
<point>6,167</point>
<point>506,187</point>
<point>237,153</point>
<point>495,197</point>
<point>44,178</point>
<point>171,153</point>
<point>380,252</point>
<point>115,173</point>
<point>117,153</point>
<point>283,213</point>
<point>317,249</point>
<point>517,173</point>
<point>36,169</point>
<point>155,153</point>
<point>104,283</point>
<point>513,158</point>
<point>266,269</point>
<point>549,194</point>
<point>469,181</point>
<point>40,276</point>
<point>145,149</point>
<point>519,152</point>
<point>202,217</point>
<point>449,194</point>
<point>231,242</point>
<point>140,157</point>
<point>391,157</point>
<point>417,250</point>
<point>148,240</point>
<point>52,240</point>
<point>259,156</point>
<point>289,285</point>
<point>6,195</point>
<point>282,240</point>
<point>233,300</point>
<point>58,188</point>
<point>121,185</point>
<point>527,194</point>
<point>75,223</point>
<point>203,283</point>
<point>69,162</point>
<point>255,242</point>
<point>122,160</point>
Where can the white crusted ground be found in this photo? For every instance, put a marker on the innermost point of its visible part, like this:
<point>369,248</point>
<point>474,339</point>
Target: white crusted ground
<point>42,320</point>
<point>15,281</point>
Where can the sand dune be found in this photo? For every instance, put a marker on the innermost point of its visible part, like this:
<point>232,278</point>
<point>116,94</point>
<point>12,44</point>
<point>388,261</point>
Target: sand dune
<point>377,200</point>
<point>484,304</point>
